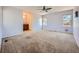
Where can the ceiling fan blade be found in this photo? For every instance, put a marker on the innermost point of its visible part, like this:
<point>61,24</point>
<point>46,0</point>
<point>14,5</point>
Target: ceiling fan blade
<point>46,11</point>
<point>48,8</point>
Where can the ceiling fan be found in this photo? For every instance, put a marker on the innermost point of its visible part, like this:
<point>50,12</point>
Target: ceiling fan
<point>45,9</point>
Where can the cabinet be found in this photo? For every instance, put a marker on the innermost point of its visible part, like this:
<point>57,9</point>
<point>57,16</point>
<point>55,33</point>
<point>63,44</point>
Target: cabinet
<point>25,27</point>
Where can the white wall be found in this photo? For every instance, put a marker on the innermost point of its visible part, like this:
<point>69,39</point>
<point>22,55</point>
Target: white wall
<point>12,21</point>
<point>36,22</point>
<point>55,21</point>
<point>0,25</point>
<point>76,25</point>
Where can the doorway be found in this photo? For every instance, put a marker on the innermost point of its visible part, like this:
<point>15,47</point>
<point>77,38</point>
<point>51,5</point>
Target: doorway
<point>27,21</point>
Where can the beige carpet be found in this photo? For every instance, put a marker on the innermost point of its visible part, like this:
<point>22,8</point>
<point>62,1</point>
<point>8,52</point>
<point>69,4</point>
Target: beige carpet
<point>45,42</point>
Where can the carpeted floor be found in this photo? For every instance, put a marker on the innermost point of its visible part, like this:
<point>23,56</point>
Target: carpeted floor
<point>37,42</point>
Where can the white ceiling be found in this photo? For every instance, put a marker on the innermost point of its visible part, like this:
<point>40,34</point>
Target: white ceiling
<point>34,9</point>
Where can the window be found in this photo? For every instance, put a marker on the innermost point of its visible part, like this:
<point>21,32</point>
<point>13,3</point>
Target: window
<point>67,20</point>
